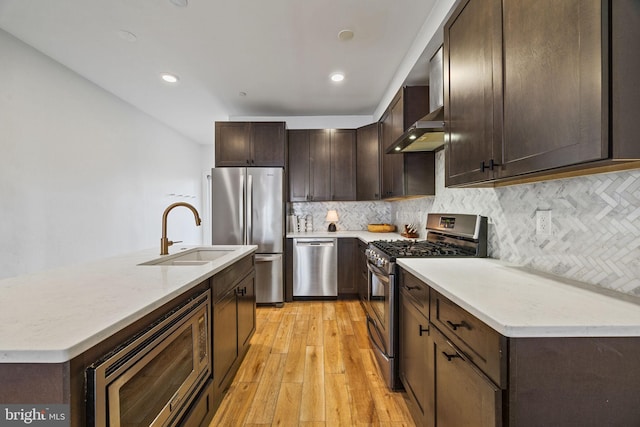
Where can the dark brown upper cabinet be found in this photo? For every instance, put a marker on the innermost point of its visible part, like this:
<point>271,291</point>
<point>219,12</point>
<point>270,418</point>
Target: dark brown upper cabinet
<point>322,165</point>
<point>299,169</point>
<point>368,162</point>
<point>472,97</point>
<point>538,88</point>
<point>406,174</point>
<point>250,144</point>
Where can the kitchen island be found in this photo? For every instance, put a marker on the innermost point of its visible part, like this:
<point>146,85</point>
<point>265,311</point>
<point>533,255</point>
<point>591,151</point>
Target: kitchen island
<point>55,324</point>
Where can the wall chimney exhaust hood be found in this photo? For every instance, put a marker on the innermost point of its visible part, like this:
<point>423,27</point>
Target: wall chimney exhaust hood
<point>427,134</point>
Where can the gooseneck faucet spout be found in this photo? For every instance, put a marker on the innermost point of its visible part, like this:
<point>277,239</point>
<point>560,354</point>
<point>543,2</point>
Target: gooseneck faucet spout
<point>164,241</point>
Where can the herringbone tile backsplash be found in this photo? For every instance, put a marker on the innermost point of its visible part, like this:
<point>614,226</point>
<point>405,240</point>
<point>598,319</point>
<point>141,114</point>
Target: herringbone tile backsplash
<point>595,223</point>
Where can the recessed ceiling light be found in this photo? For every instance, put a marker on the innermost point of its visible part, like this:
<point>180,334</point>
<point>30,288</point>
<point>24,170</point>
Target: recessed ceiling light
<point>169,78</point>
<point>179,3</point>
<point>337,77</point>
<point>345,35</point>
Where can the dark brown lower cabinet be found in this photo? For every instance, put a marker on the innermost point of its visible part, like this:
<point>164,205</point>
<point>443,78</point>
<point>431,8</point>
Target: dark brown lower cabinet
<point>362,273</point>
<point>225,341</point>
<point>574,381</point>
<point>416,361</point>
<point>465,373</point>
<point>201,411</point>
<point>464,395</point>
<point>347,261</point>
<point>246,301</point>
<point>234,308</point>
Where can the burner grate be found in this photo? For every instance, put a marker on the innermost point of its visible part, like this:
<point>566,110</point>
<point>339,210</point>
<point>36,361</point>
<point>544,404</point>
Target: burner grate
<point>421,249</point>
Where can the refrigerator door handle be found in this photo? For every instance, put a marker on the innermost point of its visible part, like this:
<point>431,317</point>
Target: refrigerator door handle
<point>268,258</point>
<point>241,203</point>
<point>249,213</point>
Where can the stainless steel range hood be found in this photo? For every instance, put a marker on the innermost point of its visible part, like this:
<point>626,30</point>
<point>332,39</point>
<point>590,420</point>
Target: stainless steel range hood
<point>427,134</point>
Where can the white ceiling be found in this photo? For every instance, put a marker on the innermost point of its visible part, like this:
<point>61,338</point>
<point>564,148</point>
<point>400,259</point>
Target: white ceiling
<point>279,52</point>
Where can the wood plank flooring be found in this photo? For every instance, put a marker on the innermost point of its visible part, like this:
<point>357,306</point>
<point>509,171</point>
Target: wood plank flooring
<point>310,364</point>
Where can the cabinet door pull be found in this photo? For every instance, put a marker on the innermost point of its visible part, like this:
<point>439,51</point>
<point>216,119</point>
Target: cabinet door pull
<point>421,329</point>
<point>455,326</point>
<point>491,166</point>
<point>410,288</point>
<point>248,162</point>
<point>450,356</point>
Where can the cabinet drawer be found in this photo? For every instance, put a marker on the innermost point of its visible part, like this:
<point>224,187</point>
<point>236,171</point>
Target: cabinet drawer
<point>201,412</point>
<point>482,345</point>
<point>416,291</point>
<point>228,277</point>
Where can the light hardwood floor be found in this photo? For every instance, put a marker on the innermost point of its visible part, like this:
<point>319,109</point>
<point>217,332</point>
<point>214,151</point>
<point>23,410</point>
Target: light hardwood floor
<point>311,364</point>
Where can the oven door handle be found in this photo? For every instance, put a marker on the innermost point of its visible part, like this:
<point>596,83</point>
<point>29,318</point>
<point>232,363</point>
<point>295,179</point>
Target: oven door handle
<point>377,271</point>
<point>370,322</point>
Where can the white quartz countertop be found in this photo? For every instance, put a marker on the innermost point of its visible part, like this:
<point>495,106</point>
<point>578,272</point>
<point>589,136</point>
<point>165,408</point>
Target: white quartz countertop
<point>53,316</point>
<point>518,303</point>
<point>365,236</point>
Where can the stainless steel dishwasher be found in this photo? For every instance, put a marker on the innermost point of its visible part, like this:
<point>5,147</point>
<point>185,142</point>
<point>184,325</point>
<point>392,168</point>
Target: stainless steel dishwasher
<point>315,267</point>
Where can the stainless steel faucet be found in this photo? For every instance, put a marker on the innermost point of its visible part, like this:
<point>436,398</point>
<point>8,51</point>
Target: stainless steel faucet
<point>164,241</point>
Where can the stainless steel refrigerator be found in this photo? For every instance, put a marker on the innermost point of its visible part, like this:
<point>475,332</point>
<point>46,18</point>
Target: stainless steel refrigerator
<point>248,209</point>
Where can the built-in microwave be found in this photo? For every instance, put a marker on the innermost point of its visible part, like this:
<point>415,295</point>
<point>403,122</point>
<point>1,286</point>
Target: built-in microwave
<point>152,379</point>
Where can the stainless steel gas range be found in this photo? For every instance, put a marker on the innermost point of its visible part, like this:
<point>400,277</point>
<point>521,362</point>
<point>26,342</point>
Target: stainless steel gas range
<point>448,235</point>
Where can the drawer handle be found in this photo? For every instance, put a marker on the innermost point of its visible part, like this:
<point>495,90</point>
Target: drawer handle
<point>451,356</point>
<point>455,326</point>
<point>410,288</point>
<point>421,329</point>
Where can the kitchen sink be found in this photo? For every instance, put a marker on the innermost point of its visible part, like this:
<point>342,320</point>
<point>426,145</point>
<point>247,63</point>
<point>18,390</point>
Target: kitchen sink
<point>190,257</point>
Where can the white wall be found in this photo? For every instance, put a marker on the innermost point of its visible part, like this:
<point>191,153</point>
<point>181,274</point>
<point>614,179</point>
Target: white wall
<point>83,175</point>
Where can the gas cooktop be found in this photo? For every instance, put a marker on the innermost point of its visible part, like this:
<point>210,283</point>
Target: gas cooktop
<point>421,249</point>
<point>448,235</point>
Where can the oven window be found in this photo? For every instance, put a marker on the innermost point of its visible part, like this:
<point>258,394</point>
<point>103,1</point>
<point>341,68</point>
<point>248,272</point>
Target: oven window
<point>144,394</point>
<point>379,293</point>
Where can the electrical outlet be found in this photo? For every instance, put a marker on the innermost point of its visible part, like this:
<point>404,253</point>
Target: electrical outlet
<point>543,223</point>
